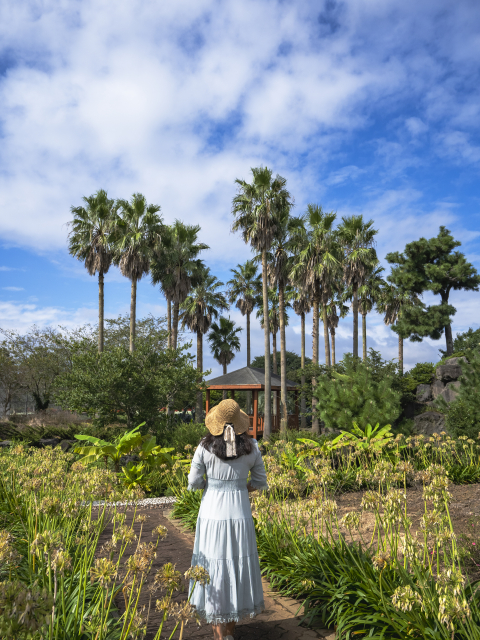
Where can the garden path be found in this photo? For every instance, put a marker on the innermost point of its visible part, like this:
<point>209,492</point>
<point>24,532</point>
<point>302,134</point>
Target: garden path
<point>278,622</point>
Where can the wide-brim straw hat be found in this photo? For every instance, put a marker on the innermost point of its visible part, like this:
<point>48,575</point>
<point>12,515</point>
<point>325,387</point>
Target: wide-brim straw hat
<point>227,412</point>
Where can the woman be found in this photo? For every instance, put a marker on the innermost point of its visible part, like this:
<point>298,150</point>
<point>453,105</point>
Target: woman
<point>225,543</point>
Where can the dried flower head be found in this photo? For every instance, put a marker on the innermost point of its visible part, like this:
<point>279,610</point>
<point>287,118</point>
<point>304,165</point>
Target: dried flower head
<point>103,571</point>
<point>199,574</point>
<point>168,577</point>
<point>160,531</point>
<point>405,598</point>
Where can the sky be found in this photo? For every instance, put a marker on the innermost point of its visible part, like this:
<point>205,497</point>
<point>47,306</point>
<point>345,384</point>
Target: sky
<point>364,106</point>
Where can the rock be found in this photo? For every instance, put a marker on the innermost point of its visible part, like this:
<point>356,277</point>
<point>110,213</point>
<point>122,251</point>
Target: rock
<point>6,443</point>
<point>437,388</point>
<point>429,423</point>
<point>448,372</point>
<point>48,442</point>
<point>66,445</point>
<point>424,393</point>
<point>449,394</point>
<point>458,360</point>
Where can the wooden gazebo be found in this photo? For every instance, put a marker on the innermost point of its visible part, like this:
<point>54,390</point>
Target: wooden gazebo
<point>253,379</point>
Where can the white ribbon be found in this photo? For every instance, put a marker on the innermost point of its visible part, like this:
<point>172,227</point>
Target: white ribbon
<point>229,437</point>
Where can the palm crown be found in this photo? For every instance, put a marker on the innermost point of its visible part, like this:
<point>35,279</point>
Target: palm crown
<point>224,341</point>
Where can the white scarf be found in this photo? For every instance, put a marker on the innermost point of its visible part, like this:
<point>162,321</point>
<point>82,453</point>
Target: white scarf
<point>229,437</point>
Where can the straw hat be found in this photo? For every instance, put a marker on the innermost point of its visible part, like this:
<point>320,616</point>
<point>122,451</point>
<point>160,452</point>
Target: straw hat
<point>226,412</point>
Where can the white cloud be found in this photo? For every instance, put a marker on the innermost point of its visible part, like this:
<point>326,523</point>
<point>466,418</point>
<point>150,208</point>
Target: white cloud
<point>13,288</point>
<point>21,316</point>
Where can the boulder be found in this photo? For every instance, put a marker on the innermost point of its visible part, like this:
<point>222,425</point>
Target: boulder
<point>66,445</point>
<point>437,388</point>
<point>449,394</point>
<point>48,442</point>
<point>448,372</point>
<point>6,443</point>
<point>457,360</point>
<point>429,423</point>
<point>424,393</point>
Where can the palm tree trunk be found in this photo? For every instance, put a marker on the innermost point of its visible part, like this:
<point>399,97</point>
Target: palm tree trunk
<point>326,339</point>
<point>199,407</point>
<point>133,310</point>
<point>332,331</point>
<point>303,403</point>
<point>224,393</point>
<point>283,362</point>
<point>355,321</point>
<point>274,354</point>
<point>364,335</point>
<point>248,393</point>
<point>101,305</point>
<point>315,423</point>
<point>176,308</point>
<point>169,321</point>
<point>248,339</point>
<point>267,430</point>
<point>400,354</point>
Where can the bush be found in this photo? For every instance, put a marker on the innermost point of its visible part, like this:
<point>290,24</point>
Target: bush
<point>463,415</point>
<point>119,384</point>
<point>467,341</point>
<point>180,435</point>
<point>421,373</point>
<point>359,391</point>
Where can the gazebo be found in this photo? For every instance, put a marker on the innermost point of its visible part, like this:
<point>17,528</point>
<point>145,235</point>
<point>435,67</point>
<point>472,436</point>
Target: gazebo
<point>253,379</point>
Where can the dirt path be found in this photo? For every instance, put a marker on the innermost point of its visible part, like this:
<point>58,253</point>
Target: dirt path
<point>278,622</point>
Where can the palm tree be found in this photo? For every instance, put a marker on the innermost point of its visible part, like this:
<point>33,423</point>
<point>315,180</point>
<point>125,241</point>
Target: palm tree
<point>138,230</point>
<point>196,312</point>
<point>224,341</point>
<point>254,209</point>
<point>280,262</point>
<point>90,241</point>
<point>177,268</point>
<point>357,239</point>
<point>316,270</point>
<point>302,306</point>
<point>333,319</point>
<point>244,289</point>
<point>392,303</point>
<point>274,320</point>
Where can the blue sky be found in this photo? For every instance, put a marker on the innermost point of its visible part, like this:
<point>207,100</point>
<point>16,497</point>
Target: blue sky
<point>365,106</point>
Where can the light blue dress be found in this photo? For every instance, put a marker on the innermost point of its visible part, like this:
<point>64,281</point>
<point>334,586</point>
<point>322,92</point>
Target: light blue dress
<point>225,542</point>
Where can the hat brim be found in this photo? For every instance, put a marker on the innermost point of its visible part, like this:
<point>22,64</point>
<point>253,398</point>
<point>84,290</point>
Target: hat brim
<point>216,426</point>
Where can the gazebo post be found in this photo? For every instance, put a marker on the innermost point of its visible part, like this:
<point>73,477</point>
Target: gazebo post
<point>296,409</point>
<point>255,412</point>
<point>277,417</point>
<point>232,394</point>
<point>207,401</point>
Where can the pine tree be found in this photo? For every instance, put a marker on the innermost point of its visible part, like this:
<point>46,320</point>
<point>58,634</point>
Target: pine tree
<point>431,265</point>
<point>357,394</point>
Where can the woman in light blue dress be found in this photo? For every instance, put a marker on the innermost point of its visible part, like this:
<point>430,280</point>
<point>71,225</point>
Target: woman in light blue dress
<point>225,543</point>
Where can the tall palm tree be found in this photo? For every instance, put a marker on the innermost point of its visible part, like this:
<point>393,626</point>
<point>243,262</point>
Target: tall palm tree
<point>224,341</point>
<point>274,320</point>
<point>90,241</point>
<point>138,230</point>
<point>177,268</point>
<point>196,312</point>
<point>280,262</point>
<point>254,209</point>
<point>333,319</point>
<point>244,289</point>
<point>357,239</point>
<point>316,270</point>
<point>369,294</point>
<point>302,306</point>
<point>392,303</point>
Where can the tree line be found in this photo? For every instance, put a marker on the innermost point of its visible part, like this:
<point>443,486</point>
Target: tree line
<point>313,261</point>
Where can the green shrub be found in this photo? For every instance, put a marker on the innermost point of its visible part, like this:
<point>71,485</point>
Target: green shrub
<point>180,435</point>
<point>461,420</point>
<point>359,391</point>
<point>421,373</point>
<point>463,342</point>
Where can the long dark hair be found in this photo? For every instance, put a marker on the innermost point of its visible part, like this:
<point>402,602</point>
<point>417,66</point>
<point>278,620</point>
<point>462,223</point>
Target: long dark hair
<point>218,446</point>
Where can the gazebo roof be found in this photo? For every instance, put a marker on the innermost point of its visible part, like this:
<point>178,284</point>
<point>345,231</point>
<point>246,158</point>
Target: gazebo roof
<point>245,379</point>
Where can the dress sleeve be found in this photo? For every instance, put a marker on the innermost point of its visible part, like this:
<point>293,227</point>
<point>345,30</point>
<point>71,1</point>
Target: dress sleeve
<point>258,475</point>
<point>197,471</point>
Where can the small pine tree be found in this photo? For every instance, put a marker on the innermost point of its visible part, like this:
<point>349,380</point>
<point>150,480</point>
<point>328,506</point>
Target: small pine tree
<point>463,415</point>
<point>358,394</point>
